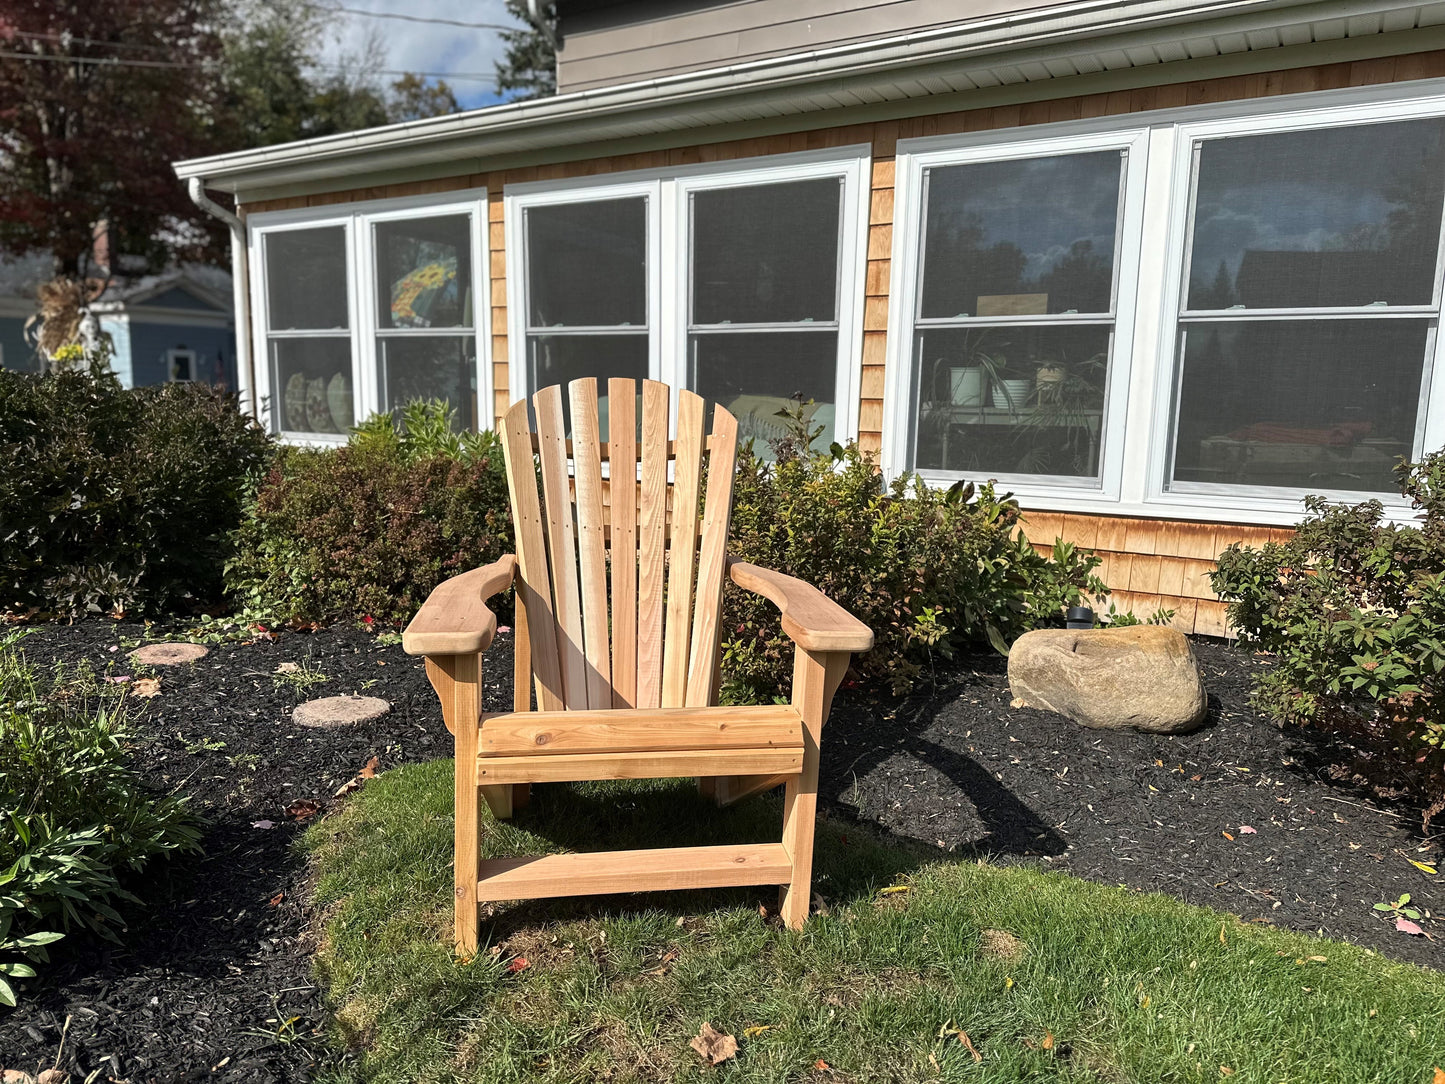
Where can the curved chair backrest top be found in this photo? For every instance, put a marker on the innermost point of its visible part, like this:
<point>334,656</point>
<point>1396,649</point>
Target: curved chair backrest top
<point>620,585</point>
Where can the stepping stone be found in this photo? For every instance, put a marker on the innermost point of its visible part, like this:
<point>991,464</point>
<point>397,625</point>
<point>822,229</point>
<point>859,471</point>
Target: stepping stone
<point>169,654</point>
<point>334,711</point>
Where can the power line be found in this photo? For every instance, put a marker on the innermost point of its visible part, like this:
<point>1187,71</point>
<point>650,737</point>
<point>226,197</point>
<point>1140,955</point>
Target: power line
<point>424,19</point>
<point>118,62</point>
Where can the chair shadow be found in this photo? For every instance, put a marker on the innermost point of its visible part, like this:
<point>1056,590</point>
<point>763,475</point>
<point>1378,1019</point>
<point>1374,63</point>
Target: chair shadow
<point>851,859</point>
<point>853,854</point>
<point>1011,828</point>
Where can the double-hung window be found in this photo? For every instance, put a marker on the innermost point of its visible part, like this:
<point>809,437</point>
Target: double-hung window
<point>741,282</point>
<point>365,311</point>
<point>1015,308</point>
<point>1309,303</point>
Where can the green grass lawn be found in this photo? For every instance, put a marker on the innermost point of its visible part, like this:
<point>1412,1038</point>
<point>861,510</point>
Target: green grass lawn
<point>1050,977</point>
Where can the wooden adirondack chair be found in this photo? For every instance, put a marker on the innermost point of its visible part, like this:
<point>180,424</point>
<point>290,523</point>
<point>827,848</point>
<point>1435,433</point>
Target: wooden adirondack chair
<point>626,690</point>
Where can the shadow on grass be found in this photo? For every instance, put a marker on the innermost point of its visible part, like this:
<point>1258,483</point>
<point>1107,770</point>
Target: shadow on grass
<point>851,859</point>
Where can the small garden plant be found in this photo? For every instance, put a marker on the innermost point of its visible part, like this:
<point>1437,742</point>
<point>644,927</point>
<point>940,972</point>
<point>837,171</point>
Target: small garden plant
<point>75,820</point>
<point>1354,609</point>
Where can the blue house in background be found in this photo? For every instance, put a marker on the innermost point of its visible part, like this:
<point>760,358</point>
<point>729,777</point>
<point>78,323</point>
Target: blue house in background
<point>175,326</point>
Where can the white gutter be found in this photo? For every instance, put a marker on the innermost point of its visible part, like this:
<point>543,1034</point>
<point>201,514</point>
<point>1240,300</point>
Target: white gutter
<point>240,293</point>
<point>620,110</point>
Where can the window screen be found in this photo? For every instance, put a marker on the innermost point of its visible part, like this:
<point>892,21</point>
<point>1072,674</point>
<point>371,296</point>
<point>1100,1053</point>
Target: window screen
<point>1015,315</point>
<point>1270,391</point>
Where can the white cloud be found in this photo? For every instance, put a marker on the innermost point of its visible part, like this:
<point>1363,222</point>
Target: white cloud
<point>426,47</point>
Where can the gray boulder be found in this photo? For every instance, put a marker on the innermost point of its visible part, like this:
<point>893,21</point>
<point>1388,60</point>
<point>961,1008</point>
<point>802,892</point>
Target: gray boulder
<point>1142,676</point>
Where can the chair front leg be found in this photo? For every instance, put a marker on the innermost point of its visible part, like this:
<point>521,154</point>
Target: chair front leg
<point>816,677</point>
<point>457,680</point>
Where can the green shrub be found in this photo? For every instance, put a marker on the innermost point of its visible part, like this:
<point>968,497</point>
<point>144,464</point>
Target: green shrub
<point>1354,608</point>
<point>74,817</point>
<point>927,570</point>
<point>118,500</point>
<point>367,530</point>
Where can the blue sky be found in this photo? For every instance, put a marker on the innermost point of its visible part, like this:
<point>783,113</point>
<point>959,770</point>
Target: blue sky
<point>427,47</point>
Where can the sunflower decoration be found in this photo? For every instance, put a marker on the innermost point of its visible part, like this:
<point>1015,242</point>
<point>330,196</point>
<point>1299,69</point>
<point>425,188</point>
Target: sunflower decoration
<point>423,292</point>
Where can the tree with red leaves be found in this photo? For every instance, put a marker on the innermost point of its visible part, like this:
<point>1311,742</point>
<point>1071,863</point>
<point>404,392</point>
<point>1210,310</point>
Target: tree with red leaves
<point>96,99</point>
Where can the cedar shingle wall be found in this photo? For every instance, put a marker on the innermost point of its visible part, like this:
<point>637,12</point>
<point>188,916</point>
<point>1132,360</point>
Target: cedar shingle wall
<point>1149,563</point>
<point>1153,564</point>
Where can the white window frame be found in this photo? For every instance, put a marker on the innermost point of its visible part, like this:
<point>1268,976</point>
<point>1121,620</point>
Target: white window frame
<point>517,200</point>
<point>172,356</point>
<point>1275,501</point>
<point>1159,269</point>
<point>362,319</point>
<point>904,320</point>
<point>669,269</point>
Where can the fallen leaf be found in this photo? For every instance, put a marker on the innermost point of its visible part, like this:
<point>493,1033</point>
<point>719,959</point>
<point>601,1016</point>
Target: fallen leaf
<point>369,772</point>
<point>1008,982</point>
<point>1225,1070</point>
<point>1018,702</point>
<point>1431,870</point>
<point>1404,925</point>
<point>263,824</point>
<point>1048,1040</point>
<point>1222,941</point>
<point>122,680</point>
<point>822,1066</point>
<point>968,1043</point>
<point>1439,1076</point>
<point>756,1030</point>
<point>302,808</point>
<point>713,1046</point>
<point>519,963</point>
<point>275,901</point>
<point>1246,830</point>
<point>147,687</point>
<point>1227,836</point>
<point>287,668</point>
<point>504,628</point>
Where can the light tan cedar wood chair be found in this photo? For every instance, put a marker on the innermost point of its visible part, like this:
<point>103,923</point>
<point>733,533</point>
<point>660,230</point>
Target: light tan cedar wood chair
<point>627,691</point>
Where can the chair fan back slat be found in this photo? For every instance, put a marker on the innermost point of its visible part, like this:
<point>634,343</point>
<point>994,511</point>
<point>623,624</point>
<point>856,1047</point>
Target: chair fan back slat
<point>561,543</point>
<point>591,543</point>
<point>682,547</point>
<point>622,492</point>
<point>652,544</point>
<point>534,597</point>
<point>707,623</point>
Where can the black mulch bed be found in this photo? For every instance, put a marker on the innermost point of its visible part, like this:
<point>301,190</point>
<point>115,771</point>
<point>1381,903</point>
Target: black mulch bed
<point>214,981</point>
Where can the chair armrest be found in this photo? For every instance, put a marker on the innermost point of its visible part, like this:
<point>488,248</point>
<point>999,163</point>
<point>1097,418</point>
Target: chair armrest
<point>455,619</point>
<point>810,618</point>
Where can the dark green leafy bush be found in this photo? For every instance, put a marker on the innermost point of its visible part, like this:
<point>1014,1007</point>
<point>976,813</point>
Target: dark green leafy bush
<point>115,500</point>
<point>74,817</point>
<point>369,529</point>
<point>1354,608</point>
<point>927,570</point>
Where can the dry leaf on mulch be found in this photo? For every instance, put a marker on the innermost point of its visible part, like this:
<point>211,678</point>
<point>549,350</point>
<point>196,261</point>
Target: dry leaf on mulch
<point>368,772</point>
<point>146,687</point>
<point>713,1046</point>
<point>303,808</point>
